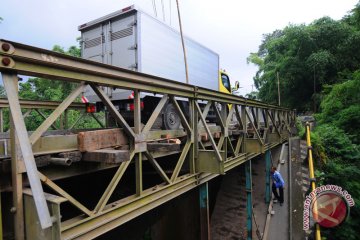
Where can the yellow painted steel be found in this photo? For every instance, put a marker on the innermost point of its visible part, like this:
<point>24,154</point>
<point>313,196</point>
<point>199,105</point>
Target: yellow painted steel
<point>312,175</point>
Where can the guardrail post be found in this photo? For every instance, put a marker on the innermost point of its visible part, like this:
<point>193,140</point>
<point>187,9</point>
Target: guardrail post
<point>267,176</point>
<point>248,199</point>
<point>204,212</point>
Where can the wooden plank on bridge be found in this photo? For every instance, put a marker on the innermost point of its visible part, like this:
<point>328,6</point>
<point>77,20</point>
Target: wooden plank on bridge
<point>163,147</point>
<point>98,139</point>
<point>110,156</point>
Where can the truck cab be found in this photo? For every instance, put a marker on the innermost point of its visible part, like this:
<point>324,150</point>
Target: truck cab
<point>224,82</point>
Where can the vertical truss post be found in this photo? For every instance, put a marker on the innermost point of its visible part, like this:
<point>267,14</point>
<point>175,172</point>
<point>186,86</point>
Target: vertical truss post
<point>19,132</point>
<point>1,122</point>
<point>254,116</point>
<point>194,136</point>
<point>267,176</point>
<point>243,120</point>
<point>225,130</point>
<point>204,212</point>
<point>66,120</point>
<point>138,169</point>
<point>265,117</point>
<point>137,130</point>
<point>16,177</point>
<point>248,199</point>
<point>61,122</point>
<point>279,118</point>
<point>17,182</point>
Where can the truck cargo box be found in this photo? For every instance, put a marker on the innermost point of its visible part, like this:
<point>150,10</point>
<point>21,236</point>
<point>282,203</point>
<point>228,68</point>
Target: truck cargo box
<point>134,40</point>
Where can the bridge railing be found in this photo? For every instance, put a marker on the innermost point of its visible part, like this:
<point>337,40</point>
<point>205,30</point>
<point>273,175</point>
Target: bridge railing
<point>244,129</point>
<point>312,175</point>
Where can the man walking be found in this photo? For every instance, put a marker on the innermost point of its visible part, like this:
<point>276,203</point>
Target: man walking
<point>278,183</point>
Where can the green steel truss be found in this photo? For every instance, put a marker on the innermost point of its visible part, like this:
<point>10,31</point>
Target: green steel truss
<point>245,129</point>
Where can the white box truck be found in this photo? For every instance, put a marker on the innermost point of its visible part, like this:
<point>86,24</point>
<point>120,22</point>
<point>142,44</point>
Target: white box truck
<point>132,39</point>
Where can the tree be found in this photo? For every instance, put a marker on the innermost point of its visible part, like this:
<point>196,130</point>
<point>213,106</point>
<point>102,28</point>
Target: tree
<point>320,63</point>
<point>51,90</point>
<point>341,107</point>
<point>44,89</point>
<point>252,95</point>
<point>306,58</point>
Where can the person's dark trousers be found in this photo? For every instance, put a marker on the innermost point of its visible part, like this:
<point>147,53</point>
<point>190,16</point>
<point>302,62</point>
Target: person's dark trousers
<point>281,192</point>
<point>276,194</point>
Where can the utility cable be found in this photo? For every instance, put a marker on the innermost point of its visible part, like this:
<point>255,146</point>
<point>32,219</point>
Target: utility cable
<point>170,10</point>
<point>183,44</point>
<point>154,7</point>
<point>163,9</point>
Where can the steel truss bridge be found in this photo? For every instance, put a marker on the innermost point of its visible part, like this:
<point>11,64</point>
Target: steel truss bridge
<point>245,129</point>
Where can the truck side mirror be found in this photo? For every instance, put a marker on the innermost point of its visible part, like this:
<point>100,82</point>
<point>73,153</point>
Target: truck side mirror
<point>237,85</point>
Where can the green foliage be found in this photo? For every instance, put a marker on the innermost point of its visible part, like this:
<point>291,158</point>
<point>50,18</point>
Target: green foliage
<point>2,91</point>
<point>319,63</point>
<point>342,168</point>
<point>300,129</point>
<point>336,144</point>
<point>306,58</point>
<point>252,95</point>
<point>44,89</point>
<point>353,19</point>
<point>341,107</point>
<point>50,90</point>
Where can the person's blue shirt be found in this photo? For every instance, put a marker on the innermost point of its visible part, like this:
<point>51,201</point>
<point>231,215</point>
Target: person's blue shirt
<point>278,180</point>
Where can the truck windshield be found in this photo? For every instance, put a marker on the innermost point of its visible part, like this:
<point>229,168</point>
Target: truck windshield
<point>226,81</point>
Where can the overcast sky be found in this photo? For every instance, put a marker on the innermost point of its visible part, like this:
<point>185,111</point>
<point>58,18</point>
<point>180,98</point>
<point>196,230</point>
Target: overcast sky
<point>232,28</point>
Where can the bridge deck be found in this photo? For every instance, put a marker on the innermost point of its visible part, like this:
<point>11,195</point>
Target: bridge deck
<point>279,224</point>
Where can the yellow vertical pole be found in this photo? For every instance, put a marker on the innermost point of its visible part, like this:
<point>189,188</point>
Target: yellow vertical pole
<point>312,175</point>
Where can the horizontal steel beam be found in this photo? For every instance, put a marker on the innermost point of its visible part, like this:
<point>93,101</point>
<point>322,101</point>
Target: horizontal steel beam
<point>34,104</point>
<point>151,198</point>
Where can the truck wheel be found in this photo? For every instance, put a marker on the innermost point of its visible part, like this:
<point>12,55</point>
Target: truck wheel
<point>171,118</point>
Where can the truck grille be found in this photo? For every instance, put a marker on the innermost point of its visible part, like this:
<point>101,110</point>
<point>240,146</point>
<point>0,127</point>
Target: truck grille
<point>122,33</point>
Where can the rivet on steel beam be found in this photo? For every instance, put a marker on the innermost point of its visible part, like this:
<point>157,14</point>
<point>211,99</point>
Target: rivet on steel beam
<point>6,61</point>
<point>5,47</point>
